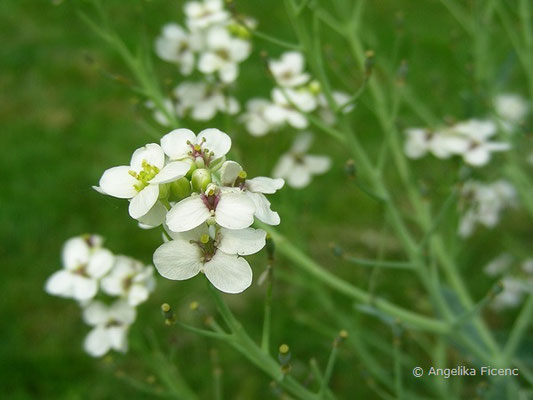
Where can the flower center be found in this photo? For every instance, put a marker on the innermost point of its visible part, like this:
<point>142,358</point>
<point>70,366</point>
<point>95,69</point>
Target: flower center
<point>144,176</point>
<point>223,53</point>
<point>210,200</point>
<point>207,246</point>
<point>113,323</point>
<point>199,151</point>
<point>81,270</point>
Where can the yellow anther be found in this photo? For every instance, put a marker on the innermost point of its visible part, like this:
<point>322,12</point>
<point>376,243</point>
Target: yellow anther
<point>243,174</point>
<point>204,238</point>
<point>194,305</point>
<point>133,173</point>
<point>197,147</point>
<point>283,349</point>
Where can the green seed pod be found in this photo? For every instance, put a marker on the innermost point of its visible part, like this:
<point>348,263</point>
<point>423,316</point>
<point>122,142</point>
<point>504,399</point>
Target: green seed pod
<point>200,179</point>
<point>180,189</point>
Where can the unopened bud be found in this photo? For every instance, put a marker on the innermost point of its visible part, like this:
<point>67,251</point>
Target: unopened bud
<point>200,179</point>
<point>167,313</point>
<point>193,306</point>
<point>163,192</point>
<point>314,87</point>
<point>284,355</point>
<point>341,337</point>
<point>369,62</point>
<point>180,189</point>
<point>349,169</point>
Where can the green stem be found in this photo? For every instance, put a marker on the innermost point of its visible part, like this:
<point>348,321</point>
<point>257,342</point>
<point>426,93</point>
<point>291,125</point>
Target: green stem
<point>265,339</point>
<point>519,329</point>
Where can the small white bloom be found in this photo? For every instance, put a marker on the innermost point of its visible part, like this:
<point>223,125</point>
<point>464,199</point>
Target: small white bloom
<point>289,105</point>
<point>257,123</point>
<point>84,263</point>
<point>177,46</point>
<point>229,209</point>
<point>511,296</point>
<point>326,114</point>
<point>141,179</point>
<point>158,115</point>
<point>210,144</point>
<point>217,256</point>
<point>441,144</point>
<point>111,326</point>
<point>527,266</point>
<point>232,175</point>
<point>129,279</point>
<point>202,101</point>
<point>511,108</point>
<point>499,265</point>
<point>288,71</point>
<point>223,54</point>
<point>297,167</point>
<point>203,14</point>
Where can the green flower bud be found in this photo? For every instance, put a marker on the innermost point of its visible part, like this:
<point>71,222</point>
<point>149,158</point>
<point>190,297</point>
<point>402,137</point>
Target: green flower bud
<point>180,189</point>
<point>191,170</point>
<point>163,192</point>
<point>200,163</point>
<point>200,179</point>
<point>216,164</point>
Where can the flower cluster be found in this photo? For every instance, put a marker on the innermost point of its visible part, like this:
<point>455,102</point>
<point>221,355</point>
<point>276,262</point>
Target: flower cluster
<point>207,205</point>
<point>483,204</point>
<point>90,271</point>
<point>295,95</point>
<point>517,281</point>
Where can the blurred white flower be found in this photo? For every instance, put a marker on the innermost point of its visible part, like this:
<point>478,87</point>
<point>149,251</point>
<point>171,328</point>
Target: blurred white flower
<point>511,295</point>
<point>442,145</point>
<point>288,71</point>
<point>129,279</point>
<point>257,124</point>
<point>111,324</point>
<point>203,14</point>
<point>289,105</point>
<point>158,115</point>
<point>210,144</point>
<point>527,266</point>
<point>325,112</point>
<point>229,209</point>
<point>511,108</point>
<point>84,263</point>
<point>215,255</point>
<point>232,175</point>
<point>297,167</point>
<point>203,101</point>
<point>499,265</point>
<point>140,180</point>
<point>177,46</point>
<point>222,54</point>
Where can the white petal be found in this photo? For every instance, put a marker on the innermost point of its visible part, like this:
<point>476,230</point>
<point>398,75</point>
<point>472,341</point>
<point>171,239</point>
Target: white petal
<point>123,312</point>
<point>296,119</point>
<point>302,143</point>
<point>317,164</point>
<point>118,182</point>
<point>154,217</point>
<point>229,172</point>
<point>263,184</point>
<point>204,110</point>
<point>75,253</point>
<point>178,260</point>
<point>171,172</point>
<point>152,153</point>
<point>118,338</point>
<point>175,144</point>
<point>284,166</point>
<point>137,295</point>
<point>143,201</point>
<point>228,273</point>
<point>84,288</point>
<point>60,284</point>
<point>216,141</point>
<point>100,263</point>
<point>477,157</point>
<point>229,73</point>
<point>242,241</point>
<point>97,342</point>
<point>262,209</point>
<point>234,211</point>
<point>299,177</point>
<point>187,214</point>
<point>112,285</point>
<point>96,313</point>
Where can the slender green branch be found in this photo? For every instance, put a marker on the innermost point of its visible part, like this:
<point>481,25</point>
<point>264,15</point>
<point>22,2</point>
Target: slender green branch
<point>265,339</point>
<point>519,329</point>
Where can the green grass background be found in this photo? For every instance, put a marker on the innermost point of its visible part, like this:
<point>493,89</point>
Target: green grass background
<point>64,120</point>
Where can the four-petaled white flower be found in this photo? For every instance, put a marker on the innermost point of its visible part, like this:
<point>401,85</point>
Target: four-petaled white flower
<point>341,99</point>
<point>288,107</point>
<point>232,175</point>
<point>203,14</point>
<point>177,46</point>
<point>159,116</point>
<point>141,179</point>
<point>84,263</point>
<point>288,71</point>
<point>255,119</point>
<point>222,54</point>
<point>210,144</point>
<point>216,255</point>
<point>202,101</point>
<point>111,324</point>
<point>441,144</point>
<point>296,167</point>
<point>229,209</point>
<point>511,108</point>
<point>129,279</point>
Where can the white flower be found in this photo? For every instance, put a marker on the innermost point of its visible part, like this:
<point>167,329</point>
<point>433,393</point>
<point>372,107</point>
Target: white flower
<point>229,209</point>
<point>296,167</point>
<point>289,105</point>
<point>84,263</point>
<point>511,296</point>
<point>215,255</point>
<point>158,115</point>
<point>177,46</point>
<point>326,114</point>
<point>441,143</point>
<point>203,14</point>
<point>223,54</point>
<point>257,123</point>
<point>140,180</point>
<point>511,108</point>
<point>288,71</point>
<point>477,148</point>
<point>129,279</point>
<point>232,175</point>
<point>499,265</point>
<point>210,144</point>
<point>527,266</point>
<point>111,326</point>
<point>203,101</point>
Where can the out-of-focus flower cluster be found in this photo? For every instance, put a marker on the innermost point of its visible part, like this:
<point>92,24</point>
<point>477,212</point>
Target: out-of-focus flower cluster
<point>516,280</point>
<point>108,287</point>
<point>474,139</point>
<point>482,204</point>
<point>205,202</point>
